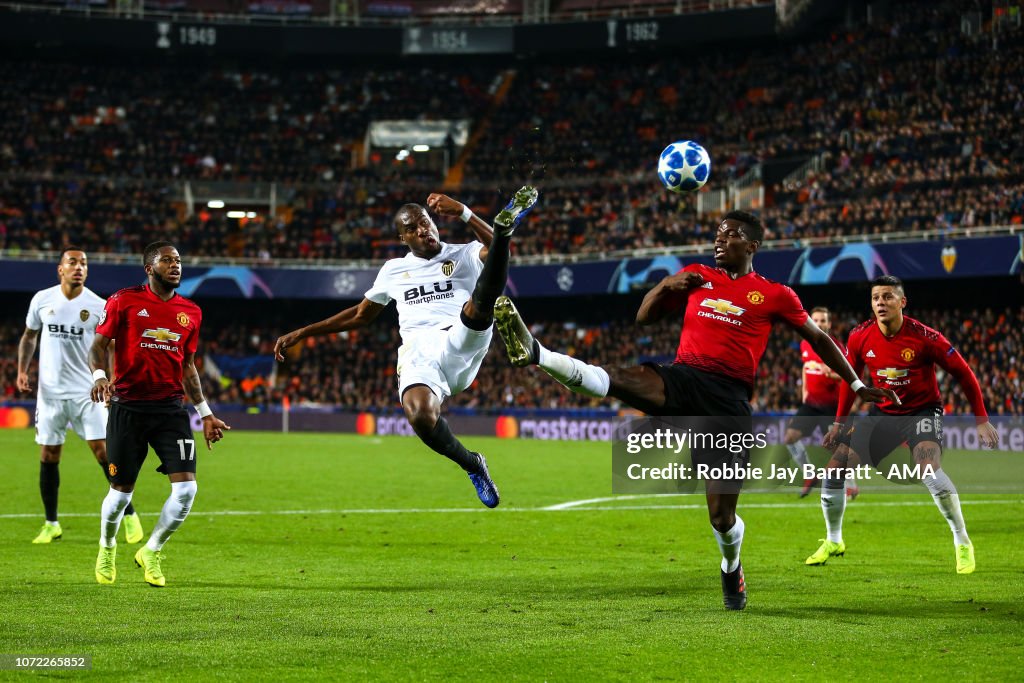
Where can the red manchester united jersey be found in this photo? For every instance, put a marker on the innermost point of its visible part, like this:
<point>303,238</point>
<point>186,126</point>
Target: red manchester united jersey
<point>905,363</point>
<point>727,321</point>
<point>152,337</point>
<point>822,390</point>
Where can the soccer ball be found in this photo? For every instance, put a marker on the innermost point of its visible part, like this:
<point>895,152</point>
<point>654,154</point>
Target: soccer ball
<point>684,166</point>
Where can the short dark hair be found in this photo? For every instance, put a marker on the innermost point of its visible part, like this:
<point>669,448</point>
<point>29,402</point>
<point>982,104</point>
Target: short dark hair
<point>68,248</point>
<point>822,309</point>
<point>406,208</point>
<point>152,249</point>
<point>754,231</point>
<point>888,281</point>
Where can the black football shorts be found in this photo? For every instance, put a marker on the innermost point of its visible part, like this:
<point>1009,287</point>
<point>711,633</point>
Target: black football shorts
<point>810,417</point>
<point>708,404</point>
<point>878,434</point>
<point>130,433</point>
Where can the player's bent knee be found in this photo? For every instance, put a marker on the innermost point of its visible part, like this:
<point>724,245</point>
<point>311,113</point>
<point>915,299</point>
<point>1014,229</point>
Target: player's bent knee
<point>470,319</point>
<point>50,454</point>
<point>722,520</point>
<point>184,491</point>
<point>422,422</point>
<point>637,384</point>
<point>792,436</point>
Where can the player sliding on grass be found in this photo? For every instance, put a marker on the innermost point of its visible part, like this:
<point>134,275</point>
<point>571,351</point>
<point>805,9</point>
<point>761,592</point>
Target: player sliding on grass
<point>728,316</point>
<point>445,295</point>
<point>901,354</point>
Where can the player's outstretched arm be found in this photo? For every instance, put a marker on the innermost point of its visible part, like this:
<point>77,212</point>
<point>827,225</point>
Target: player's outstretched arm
<point>443,205</point>
<point>834,358</point>
<point>667,296</point>
<point>99,354</point>
<point>26,349</point>
<point>213,427</point>
<point>952,362</point>
<point>363,313</point>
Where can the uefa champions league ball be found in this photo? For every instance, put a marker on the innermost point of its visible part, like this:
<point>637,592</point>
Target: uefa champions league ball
<point>684,166</point>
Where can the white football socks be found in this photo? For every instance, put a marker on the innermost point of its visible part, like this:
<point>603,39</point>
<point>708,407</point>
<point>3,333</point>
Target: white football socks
<point>174,512</point>
<point>574,374</point>
<point>729,543</point>
<point>833,505</point>
<point>110,516</point>
<point>948,501</point>
<point>798,451</point>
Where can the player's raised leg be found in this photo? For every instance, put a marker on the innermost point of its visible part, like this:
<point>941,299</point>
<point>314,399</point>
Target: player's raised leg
<point>478,312</point>
<point>523,349</point>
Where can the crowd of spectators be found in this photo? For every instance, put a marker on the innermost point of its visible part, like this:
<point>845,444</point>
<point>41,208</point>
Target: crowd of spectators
<point>917,124</point>
<point>356,370</point>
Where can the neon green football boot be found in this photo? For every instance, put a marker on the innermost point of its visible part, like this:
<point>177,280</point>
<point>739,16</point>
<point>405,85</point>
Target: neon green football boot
<point>106,567</point>
<point>965,559</point>
<point>49,533</point>
<point>149,560</point>
<point>133,528</point>
<point>826,550</point>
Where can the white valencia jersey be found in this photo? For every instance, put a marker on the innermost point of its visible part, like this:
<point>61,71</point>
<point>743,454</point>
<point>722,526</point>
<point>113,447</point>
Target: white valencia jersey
<point>66,330</point>
<point>430,292</point>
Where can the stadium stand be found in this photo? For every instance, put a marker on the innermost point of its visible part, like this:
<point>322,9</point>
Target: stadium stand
<point>913,126</point>
<point>355,370</point>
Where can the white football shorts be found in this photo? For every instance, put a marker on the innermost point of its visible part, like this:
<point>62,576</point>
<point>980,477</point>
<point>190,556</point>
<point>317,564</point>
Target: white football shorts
<point>446,360</point>
<point>53,416</point>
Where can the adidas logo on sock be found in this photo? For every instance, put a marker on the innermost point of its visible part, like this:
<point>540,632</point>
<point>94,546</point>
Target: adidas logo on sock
<point>143,313</point>
<point>576,380</point>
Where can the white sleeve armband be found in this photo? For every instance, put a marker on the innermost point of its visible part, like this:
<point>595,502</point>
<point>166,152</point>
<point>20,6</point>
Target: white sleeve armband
<point>466,214</point>
<point>856,385</point>
<point>97,375</point>
<point>204,409</point>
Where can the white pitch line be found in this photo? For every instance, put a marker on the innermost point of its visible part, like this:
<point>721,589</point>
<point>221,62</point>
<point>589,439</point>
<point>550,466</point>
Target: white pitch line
<point>607,499</point>
<point>562,507</point>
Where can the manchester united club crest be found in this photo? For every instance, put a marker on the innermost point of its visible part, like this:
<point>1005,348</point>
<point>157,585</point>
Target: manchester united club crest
<point>448,267</point>
<point>755,297</point>
<point>183,320</point>
<point>112,468</point>
<point>907,355</point>
<point>84,315</point>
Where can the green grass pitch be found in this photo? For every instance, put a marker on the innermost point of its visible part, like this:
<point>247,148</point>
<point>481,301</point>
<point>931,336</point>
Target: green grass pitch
<point>353,558</point>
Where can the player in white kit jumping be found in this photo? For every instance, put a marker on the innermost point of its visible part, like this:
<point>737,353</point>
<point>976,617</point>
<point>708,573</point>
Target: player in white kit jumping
<point>445,295</point>
<point>65,318</point>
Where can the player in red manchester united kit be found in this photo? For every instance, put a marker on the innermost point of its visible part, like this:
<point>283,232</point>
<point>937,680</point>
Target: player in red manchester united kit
<point>727,316</point>
<point>820,386</point>
<point>157,333</point>
<point>900,353</point>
